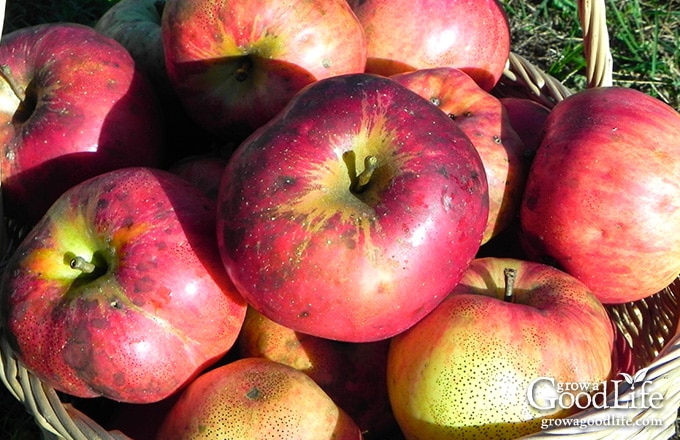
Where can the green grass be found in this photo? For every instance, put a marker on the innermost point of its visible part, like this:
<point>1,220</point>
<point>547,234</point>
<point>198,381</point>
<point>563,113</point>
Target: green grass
<point>644,37</point>
<point>645,44</point>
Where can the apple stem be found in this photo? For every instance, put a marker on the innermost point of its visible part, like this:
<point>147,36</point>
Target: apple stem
<point>6,74</point>
<point>243,72</point>
<point>509,274</point>
<point>364,178</point>
<point>79,263</point>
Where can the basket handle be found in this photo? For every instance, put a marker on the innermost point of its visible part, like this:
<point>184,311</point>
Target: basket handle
<point>592,16</point>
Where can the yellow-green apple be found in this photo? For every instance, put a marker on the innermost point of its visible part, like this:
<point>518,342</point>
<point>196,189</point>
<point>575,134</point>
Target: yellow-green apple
<point>256,398</point>
<point>136,24</point>
<point>353,212</point>
<point>482,117</point>
<point>234,64</point>
<point>527,118</point>
<point>72,105</point>
<point>602,200</point>
<point>484,362</point>
<point>118,291</point>
<point>352,374</point>
<point>404,35</point>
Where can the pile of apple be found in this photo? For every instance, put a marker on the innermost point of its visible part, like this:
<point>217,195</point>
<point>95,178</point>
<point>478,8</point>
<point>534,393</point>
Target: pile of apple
<point>318,219</point>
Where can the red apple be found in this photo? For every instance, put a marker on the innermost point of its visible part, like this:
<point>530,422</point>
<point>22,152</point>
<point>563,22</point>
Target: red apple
<point>119,292</point>
<point>352,374</point>
<point>256,398</point>
<point>478,365</point>
<point>72,106</point>
<point>527,118</point>
<point>353,212</point>
<point>602,200</point>
<point>205,171</point>
<point>404,35</point>
<point>235,64</point>
<point>482,117</point>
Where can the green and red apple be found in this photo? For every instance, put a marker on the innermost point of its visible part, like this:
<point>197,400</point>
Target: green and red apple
<point>602,200</point>
<point>72,105</point>
<point>470,369</point>
<point>353,212</point>
<point>119,290</point>
<point>234,64</point>
<point>256,398</point>
<point>352,374</point>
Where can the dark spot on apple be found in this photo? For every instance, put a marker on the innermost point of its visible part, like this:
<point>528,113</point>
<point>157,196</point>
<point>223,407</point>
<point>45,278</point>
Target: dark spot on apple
<point>287,180</point>
<point>119,378</point>
<point>530,200</point>
<point>436,101</point>
<point>144,284</point>
<point>443,171</point>
<point>116,304</point>
<point>253,393</point>
<point>497,139</point>
<point>304,314</point>
<point>102,203</point>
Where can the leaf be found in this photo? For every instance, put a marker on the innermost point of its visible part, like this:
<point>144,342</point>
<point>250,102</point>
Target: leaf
<point>627,377</point>
<point>640,375</point>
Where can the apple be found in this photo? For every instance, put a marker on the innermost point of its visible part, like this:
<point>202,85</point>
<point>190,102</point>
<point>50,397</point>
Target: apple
<point>527,118</point>
<point>256,398</point>
<point>352,213</point>
<point>203,170</point>
<point>405,35</point>
<point>72,106</point>
<point>234,64</point>
<point>136,24</point>
<point>602,200</point>
<point>482,117</point>
<point>352,374</point>
<point>118,291</point>
<point>467,370</point>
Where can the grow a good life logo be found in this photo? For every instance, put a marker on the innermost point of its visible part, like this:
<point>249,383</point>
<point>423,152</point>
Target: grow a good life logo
<point>546,394</point>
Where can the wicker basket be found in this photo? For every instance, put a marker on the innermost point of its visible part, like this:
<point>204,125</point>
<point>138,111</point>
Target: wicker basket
<point>649,326</point>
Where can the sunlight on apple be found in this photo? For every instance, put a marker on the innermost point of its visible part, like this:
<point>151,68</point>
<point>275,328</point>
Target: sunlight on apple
<point>421,233</point>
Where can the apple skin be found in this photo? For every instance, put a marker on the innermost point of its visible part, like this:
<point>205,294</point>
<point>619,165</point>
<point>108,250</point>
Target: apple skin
<point>159,307</point>
<point>313,254</point>
<point>602,200</point>
<point>235,64</point>
<point>205,171</point>
<point>88,110</point>
<point>352,374</point>
<point>405,35</point>
<point>136,24</point>
<point>443,373</point>
<point>482,117</point>
<point>256,398</point>
<point>527,118</point>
